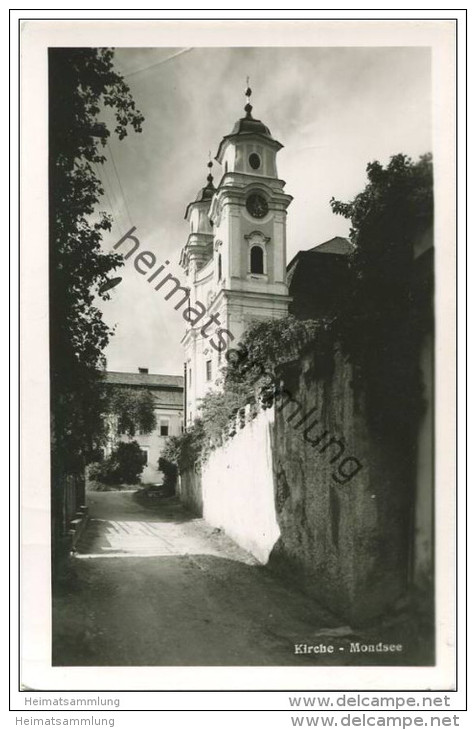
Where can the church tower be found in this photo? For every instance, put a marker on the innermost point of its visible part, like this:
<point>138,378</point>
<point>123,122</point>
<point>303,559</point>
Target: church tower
<point>235,256</point>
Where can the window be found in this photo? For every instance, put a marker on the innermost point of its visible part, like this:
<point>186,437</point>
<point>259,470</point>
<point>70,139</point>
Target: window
<point>164,426</point>
<point>256,260</point>
<point>219,272</point>
<point>254,161</point>
<point>209,369</point>
<point>145,456</point>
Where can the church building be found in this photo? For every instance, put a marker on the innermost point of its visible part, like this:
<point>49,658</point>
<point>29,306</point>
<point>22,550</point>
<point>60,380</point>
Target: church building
<point>235,255</point>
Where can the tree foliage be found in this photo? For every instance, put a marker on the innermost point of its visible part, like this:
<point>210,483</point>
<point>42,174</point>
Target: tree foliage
<point>123,466</point>
<point>170,471</point>
<point>82,82</point>
<point>388,307</point>
<point>134,410</point>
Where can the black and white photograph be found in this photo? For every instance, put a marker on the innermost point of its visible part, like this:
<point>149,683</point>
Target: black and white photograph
<point>240,243</point>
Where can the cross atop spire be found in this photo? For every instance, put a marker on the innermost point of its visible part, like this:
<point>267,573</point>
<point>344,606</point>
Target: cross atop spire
<point>248,92</point>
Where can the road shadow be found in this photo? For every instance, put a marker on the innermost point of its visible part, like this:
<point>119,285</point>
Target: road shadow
<point>204,610</point>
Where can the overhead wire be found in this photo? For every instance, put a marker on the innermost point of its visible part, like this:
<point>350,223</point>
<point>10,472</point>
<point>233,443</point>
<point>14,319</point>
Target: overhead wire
<point>121,218</point>
<point>120,185</point>
<point>99,174</point>
<point>111,154</point>
<point>111,187</point>
<point>158,63</point>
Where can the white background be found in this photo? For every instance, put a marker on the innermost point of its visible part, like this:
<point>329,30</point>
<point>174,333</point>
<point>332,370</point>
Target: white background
<point>35,609</point>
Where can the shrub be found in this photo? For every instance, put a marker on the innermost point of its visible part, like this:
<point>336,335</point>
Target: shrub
<point>185,449</point>
<point>170,472</point>
<point>123,466</point>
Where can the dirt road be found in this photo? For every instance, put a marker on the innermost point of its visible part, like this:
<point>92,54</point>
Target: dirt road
<point>162,587</point>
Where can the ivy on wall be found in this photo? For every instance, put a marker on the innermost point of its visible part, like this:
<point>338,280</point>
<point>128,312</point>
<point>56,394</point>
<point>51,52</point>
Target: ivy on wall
<point>249,377</point>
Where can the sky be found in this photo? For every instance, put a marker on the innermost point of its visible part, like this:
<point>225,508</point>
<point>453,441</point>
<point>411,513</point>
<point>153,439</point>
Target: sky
<point>333,109</point>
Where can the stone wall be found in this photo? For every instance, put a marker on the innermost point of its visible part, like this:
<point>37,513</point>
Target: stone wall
<point>343,496</point>
<point>311,491</point>
<point>424,500</point>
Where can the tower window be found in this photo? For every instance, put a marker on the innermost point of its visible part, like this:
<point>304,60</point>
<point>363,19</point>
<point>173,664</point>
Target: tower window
<point>256,260</point>
<point>209,369</point>
<point>219,267</point>
<point>255,161</point>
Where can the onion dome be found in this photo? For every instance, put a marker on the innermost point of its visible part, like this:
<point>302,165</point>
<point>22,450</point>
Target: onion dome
<point>207,192</point>
<point>247,126</point>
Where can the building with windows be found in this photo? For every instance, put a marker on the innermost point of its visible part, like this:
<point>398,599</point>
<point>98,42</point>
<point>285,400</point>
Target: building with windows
<point>235,255</point>
<point>167,391</point>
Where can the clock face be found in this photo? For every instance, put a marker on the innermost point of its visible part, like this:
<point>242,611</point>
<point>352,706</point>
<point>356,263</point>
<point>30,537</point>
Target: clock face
<point>256,205</point>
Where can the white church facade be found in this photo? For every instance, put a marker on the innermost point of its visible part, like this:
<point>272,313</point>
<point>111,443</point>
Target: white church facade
<point>235,255</point>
